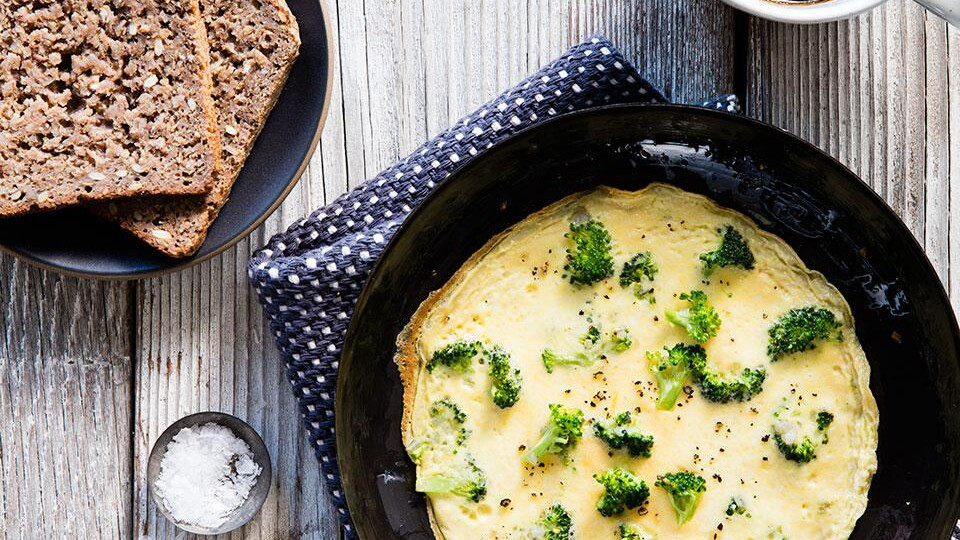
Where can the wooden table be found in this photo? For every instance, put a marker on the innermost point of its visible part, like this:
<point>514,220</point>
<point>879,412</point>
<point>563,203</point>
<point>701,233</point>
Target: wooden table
<point>92,372</point>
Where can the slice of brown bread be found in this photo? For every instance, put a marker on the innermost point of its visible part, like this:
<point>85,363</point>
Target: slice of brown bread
<point>253,44</point>
<point>103,100</point>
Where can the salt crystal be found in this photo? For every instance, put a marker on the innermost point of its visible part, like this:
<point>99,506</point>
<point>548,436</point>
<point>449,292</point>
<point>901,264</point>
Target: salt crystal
<point>206,473</point>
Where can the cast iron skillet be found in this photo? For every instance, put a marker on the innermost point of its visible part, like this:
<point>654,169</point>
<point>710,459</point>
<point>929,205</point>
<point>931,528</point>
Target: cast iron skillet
<point>831,218</point>
<point>74,242</point>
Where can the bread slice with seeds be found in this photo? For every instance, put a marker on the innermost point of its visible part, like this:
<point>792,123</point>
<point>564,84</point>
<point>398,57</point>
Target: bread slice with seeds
<point>103,100</point>
<point>253,44</point>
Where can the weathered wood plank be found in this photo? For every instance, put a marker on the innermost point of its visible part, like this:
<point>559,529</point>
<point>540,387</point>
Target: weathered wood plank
<point>686,48</point>
<point>953,173</point>
<point>937,158</point>
<point>881,92</point>
<point>64,406</point>
<point>877,92</point>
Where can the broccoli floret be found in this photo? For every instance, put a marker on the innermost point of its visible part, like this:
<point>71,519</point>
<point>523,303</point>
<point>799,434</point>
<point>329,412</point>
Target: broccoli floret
<point>684,489</point>
<point>801,451</point>
<point>685,360</point>
<point>718,389</point>
<point>787,436</point>
<point>506,381</point>
<point>798,329</point>
<point>456,356</point>
<point>700,320</point>
<point>672,372</point>
<point>736,507</point>
<point>447,418</point>
<point>618,342</point>
<point>552,360</point>
<point>591,337</point>
<point>470,483</point>
<point>824,419</point>
<point>626,532</point>
<point>621,490</point>
<point>447,432</point>
<point>416,448</point>
<point>590,260</point>
<point>640,267</point>
<point>733,251</point>
<point>562,431</point>
<point>555,524</point>
<point>445,409</point>
<point>621,432</point>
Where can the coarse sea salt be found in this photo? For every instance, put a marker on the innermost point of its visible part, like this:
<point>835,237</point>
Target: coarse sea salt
<point>206,473</point>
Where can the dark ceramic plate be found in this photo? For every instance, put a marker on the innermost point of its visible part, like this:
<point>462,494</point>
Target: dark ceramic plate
<point>73,242</point>
<point>832,219</point>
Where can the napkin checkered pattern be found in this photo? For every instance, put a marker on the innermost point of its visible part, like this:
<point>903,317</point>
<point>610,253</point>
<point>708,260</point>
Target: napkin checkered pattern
<point>308,277</point>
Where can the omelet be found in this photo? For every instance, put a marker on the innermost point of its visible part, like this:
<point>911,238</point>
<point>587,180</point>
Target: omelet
<point>536,328</point>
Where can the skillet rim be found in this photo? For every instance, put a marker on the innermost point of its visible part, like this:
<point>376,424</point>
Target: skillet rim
<point>351,334</point>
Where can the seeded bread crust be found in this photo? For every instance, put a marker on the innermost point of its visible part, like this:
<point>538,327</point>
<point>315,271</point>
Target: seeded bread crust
<point>253,45</point>
<point>103,100</point>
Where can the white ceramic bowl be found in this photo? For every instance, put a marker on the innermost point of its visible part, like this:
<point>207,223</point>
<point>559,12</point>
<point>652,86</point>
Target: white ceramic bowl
<point>803,13</point>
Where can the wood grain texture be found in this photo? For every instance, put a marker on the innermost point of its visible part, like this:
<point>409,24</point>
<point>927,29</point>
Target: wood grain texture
<point>64,406</point>
<point>79,416</point>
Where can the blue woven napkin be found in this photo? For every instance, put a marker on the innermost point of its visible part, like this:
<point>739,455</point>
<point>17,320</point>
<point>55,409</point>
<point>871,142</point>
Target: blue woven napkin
<point>308,277</point>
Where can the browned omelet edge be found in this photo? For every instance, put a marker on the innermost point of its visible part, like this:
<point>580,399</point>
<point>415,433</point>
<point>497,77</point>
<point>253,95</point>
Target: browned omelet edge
<point>407,357</point>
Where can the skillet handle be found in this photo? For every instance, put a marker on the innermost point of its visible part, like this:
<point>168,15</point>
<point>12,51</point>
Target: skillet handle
<point>948,9</point>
